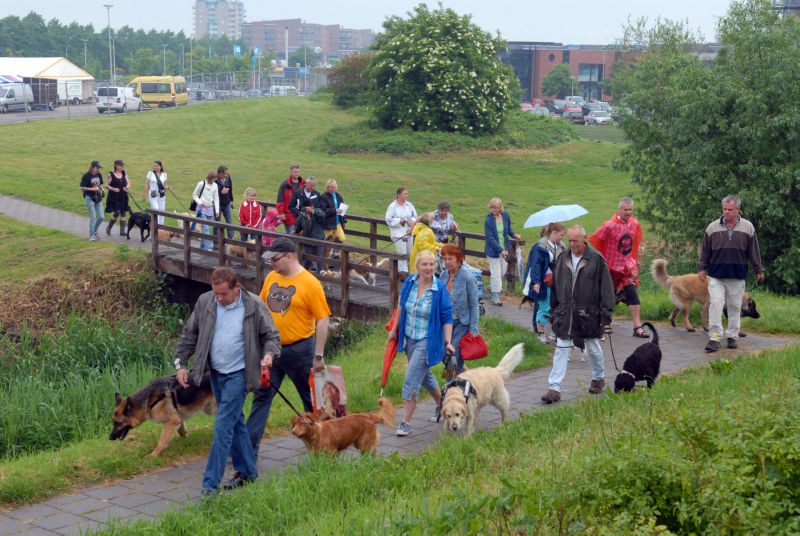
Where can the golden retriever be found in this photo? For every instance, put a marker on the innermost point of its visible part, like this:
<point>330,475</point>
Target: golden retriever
<point>243,252</point>
<point>460,413</point>
<point>335,435</point>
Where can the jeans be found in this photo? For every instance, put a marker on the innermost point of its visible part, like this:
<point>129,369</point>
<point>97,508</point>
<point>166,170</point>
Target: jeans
<point>245,237</point>
<point>295,362</point>
<point>206,244</point>
<point>95,215</point>
<point>230,433</point>
<point>312,250</point>
<point>720,291</point>
<point>561,356</point>
<point>459,330</point>
<point>224,212</point>
<point>418,373</point>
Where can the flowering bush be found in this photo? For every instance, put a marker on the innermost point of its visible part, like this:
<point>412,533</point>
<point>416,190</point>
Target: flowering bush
<point>438,71</point>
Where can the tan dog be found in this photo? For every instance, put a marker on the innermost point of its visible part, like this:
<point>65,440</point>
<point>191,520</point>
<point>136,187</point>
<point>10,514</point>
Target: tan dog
<point>243,252</point>
<point>166,235</point>
<point>335,435</point>
<point>686,289</point>
<point>162,401</point>
<point>461,405</point>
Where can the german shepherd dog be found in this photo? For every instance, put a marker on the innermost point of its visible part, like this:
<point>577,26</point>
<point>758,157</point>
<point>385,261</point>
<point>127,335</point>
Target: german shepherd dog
<point>686,289</point>
<point>164,401</point>
<point>140,220</point>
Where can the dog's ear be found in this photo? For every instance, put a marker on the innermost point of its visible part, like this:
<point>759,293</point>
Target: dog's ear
<point>117,398</point>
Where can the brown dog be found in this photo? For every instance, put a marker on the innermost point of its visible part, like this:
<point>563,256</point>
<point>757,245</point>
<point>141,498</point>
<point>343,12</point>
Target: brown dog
<point>686,289</point>
<point>243,252</point>
<point>165,235</point>
<point>335,435</point>
<point>163,401</point>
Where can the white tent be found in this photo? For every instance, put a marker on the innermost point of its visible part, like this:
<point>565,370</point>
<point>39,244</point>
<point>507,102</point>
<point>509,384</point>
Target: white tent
<point>73,82</point>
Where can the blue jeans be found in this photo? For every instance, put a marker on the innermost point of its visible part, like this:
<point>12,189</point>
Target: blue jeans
<point>561,356</point>
<point>418,372</point>
<point>295,362</point>
<point>206,243</point>
<point>95,215</point>
<point>289,228</point>
<point>230,433</point>
<point>224,212</point>
<point>459,330</point>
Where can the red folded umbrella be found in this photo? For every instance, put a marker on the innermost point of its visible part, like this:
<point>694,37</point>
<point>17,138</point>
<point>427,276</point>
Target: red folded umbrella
<point>391,351</point>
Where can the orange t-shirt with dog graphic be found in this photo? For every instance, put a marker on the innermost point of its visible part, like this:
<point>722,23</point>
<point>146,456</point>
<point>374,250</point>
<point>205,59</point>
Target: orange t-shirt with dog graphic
<point>296,304</point>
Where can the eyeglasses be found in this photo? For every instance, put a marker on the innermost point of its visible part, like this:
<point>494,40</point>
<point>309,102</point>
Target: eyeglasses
<point>276,258</point>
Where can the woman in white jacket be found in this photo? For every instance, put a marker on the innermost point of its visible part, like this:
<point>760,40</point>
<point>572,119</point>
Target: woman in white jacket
<point>206,195</point>
<point>401,217</point>
<point>155,189</point>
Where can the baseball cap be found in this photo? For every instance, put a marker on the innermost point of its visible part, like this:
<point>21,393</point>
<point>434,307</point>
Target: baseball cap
<point>95,163</point>
<point>280,245</point>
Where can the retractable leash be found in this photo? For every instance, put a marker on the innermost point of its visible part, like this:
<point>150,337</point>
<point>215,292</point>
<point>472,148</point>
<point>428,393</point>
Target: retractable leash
<point>266,384</point>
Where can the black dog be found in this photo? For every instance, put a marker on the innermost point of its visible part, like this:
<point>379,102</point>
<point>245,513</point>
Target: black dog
<point>142,221</point>
<point>642,365</point>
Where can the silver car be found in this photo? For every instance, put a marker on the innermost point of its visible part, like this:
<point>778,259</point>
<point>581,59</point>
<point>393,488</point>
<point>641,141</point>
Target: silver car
<point>598,117</point>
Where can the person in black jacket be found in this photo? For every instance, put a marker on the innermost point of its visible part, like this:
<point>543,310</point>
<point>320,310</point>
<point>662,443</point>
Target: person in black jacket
<point>582,299</point>
<point>225,187</point>
<point>308,191</point>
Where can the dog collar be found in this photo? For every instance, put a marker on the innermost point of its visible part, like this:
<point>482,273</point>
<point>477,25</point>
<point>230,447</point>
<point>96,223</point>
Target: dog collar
<point>623,371</point>
<point>466,386</point>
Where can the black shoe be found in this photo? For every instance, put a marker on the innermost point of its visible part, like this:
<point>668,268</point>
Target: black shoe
<point>237,481</point>
<point>712,346</point>
<point>109,226</point>
<point>732,343</point>
<point>122,228</point>
<point>207,494</point>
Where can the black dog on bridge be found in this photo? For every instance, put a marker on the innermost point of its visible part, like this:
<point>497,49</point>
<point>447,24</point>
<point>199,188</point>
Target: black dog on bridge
<point>142,221</point>
<point>642,365</point>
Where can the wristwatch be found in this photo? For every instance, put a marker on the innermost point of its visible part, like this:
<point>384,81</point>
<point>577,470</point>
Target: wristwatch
<point>319,357</point>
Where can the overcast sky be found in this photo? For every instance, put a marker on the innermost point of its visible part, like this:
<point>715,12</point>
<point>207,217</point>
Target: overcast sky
<point>573,22</point>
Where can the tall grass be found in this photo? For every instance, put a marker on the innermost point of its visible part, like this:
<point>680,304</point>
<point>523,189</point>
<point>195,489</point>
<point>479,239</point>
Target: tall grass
<point>713,450</point>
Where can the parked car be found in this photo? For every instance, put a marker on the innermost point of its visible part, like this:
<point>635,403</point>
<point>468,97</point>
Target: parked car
<point>598,117</point>
<point>558,106</point>
<point>576,99</point>
<point>540,110</point>
<point>251,93</point>
<point>572,112</point>
<point>118,99</point>
<point>537,102</point>
<point>525,106</point>
<point>196,94</point>
<point>15,96</point>
<point>587,107</point>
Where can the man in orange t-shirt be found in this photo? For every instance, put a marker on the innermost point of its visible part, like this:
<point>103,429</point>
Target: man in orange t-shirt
<point>297,303</point>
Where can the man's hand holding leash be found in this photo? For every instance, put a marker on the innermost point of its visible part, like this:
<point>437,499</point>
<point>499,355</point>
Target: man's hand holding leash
<point>182,376</point>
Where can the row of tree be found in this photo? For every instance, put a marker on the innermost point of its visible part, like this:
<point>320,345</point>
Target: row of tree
<point>135,52</point>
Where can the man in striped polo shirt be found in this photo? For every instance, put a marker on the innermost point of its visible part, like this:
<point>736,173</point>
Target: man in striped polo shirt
<point>729,243</point>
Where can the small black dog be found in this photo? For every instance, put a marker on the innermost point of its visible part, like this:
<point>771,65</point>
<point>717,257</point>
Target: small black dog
<point>642,365</point>
<point>142,221</point>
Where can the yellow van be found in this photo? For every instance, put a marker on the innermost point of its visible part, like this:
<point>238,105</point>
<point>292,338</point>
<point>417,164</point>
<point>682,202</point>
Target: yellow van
<point>161,91</point>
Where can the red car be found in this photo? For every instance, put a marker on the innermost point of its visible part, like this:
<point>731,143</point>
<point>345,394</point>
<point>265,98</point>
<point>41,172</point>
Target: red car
<point>525,106</point>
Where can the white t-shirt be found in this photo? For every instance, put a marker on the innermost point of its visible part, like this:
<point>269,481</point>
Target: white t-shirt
<point>152,182</point>
<point>575,261</point>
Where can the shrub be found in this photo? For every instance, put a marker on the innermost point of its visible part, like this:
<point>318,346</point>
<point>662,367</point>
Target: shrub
<point>348,81</point>
<point>437,71</point>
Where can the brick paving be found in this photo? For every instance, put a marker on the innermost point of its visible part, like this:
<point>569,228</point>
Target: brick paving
<point>146,496</point>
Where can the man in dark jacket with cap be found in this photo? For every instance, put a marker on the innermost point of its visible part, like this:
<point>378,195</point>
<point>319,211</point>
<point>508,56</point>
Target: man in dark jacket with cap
<point>582,299</point>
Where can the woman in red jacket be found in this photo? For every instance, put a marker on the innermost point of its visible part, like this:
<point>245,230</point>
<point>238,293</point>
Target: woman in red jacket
<point>249,212</point>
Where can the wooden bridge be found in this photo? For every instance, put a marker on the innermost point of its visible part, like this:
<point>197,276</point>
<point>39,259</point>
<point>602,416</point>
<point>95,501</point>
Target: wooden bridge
<point>361,283</point>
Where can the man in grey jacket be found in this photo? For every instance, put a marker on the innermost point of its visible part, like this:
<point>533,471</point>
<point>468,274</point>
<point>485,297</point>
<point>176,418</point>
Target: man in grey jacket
<point>232,336</point>
<point>582,299</point>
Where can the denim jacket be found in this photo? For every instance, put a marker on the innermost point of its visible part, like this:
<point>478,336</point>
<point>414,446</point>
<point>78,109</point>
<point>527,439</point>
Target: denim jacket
<point>441,314</point>
<point>464,297</point>
<point>493,241</point>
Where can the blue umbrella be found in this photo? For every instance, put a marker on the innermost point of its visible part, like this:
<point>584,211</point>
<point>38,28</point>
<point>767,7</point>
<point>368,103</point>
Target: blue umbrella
<point>555,213</point>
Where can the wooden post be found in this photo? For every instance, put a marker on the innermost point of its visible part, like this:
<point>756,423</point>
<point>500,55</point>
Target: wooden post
<point>220,245</point>
<point>394,285</point>
<point>154,233</point>
<point>259,261</point>
<point>187,250</point>
<point>345,281</point>
<point>373,241</point>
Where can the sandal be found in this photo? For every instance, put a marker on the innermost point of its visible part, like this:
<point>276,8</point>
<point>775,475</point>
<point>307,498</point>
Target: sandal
<point>638,331</point>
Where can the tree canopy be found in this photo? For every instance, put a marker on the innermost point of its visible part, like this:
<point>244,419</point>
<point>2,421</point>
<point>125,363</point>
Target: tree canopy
<point>700,130</point>
<point>558,82</point>
<point>436,70</point>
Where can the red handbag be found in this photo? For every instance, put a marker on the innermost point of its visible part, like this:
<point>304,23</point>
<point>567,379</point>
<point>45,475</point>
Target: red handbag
<point>472,347</point>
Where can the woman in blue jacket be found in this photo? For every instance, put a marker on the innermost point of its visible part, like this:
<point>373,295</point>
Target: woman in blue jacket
<point>498,232</point>
<point>464,294</point>
<point>424,330</point>
<point>538,276</point>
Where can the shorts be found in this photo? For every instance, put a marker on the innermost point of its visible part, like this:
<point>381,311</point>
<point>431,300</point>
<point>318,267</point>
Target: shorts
<point>628,295</point>
<point>418,374</point>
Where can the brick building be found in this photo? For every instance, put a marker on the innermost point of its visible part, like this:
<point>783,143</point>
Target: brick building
<point>215,18</point>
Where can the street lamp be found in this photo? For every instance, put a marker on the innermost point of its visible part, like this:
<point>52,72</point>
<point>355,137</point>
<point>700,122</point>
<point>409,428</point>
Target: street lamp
<point>183,59</point>
<point>164,49</point>
<point>110,57</point>
<point>84,52</point>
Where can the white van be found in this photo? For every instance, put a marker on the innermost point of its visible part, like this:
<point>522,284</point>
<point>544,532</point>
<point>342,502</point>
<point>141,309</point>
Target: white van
<point>118,99</point>
<point>15,96</point>
<point>282,91</point>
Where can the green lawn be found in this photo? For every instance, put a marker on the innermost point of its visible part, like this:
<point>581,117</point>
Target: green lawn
<point>260,138</point>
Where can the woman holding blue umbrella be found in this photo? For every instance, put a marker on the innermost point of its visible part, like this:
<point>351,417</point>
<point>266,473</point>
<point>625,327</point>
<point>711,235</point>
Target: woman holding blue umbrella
<point>498,232</point>
<point>538,276</point>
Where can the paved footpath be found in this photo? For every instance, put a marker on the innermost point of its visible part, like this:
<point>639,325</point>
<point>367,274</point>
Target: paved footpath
<point>145,496</point>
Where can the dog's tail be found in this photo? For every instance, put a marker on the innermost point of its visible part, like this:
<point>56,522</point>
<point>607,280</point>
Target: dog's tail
<point>511,360</point>
<point>651,328</point>
<point>659,271</point>
<point>385,415</point>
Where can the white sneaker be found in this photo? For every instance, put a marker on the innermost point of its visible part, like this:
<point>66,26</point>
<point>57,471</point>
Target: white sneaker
<point>403,429</point>
<point>92,238</point>
<point>543,338</point>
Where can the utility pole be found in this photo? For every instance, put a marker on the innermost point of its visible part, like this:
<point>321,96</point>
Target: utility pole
<point>183,59</point>
<point>191,50</point>
<point>84,52</point>
<point>164,49</point>
<point>110,57</point>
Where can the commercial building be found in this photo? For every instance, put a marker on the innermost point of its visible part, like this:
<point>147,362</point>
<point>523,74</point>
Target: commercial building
<point>215,18</point>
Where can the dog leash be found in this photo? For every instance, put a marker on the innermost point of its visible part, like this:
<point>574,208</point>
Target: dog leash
<point>611,344</point>
<point>266,384</point>
<point>395,241</point>
<point>132,198</point>
<point>180,204</point>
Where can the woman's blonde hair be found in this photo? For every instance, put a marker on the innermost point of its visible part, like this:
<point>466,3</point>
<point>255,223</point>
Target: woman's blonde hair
<point>422,255</point>
<point>553,226</point>
<point>249,191</point>
<point>332,181</point>
<point>496,201</point>
<point>426,218</point>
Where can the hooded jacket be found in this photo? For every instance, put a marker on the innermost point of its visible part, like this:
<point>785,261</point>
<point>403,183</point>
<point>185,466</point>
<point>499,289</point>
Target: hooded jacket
<point>424,240</point>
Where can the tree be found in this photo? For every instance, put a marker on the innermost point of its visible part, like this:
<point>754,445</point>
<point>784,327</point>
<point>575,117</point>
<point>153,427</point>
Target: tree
<point>699,132</point>
<point>436,70</point>
<point>303,56</point>
<point>348,81</point>
<point>558,82</point>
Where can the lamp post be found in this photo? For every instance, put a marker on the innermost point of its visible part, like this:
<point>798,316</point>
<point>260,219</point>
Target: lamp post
<point>191,50</point>
<point>110,57</point>
<point>305,68</point>
<point>183,59</point>
<point>164,50</point>
<point>84,52</point>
